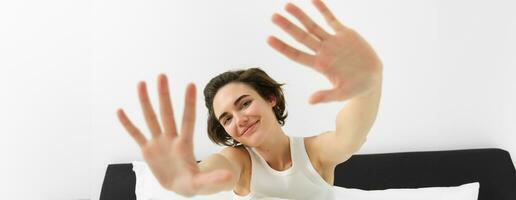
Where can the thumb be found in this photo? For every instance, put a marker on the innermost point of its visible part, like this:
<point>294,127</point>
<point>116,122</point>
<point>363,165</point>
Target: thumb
<point>323,96</point>
<point>213,178</point>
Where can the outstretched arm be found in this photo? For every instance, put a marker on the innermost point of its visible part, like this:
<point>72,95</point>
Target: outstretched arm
<point>357,117</point>
<point>350,64</point>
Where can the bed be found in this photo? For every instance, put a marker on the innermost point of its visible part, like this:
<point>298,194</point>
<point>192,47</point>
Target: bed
<point>491,167</point>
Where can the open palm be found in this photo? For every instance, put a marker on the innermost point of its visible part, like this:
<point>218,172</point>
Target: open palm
<point>168,154</point>
<point>345,58</point>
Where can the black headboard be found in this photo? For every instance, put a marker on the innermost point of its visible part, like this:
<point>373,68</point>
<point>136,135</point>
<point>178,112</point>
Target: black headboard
<point>492,168</point>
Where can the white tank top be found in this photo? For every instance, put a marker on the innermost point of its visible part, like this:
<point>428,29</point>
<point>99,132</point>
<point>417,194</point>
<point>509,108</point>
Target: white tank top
<point>300,181</point>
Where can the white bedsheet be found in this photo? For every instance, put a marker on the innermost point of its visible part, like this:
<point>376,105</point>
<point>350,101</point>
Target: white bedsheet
<point>148,188</point>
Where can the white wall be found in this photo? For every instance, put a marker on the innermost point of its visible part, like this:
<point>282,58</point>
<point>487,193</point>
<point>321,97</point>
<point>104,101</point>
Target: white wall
<point>66,66</point>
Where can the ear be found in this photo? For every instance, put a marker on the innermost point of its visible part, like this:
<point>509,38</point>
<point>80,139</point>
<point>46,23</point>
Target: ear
<point>272,100</point>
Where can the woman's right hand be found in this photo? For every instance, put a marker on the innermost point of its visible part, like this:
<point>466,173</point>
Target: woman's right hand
<point>168,154</point>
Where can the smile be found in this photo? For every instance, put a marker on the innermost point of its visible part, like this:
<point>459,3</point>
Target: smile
<point>250,128</point>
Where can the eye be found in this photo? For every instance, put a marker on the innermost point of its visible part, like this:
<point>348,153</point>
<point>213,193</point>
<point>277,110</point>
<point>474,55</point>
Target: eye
<point>226,120</point>
<point>247,103</point>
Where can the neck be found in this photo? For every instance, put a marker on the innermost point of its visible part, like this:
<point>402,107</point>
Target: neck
<point>276,150</point>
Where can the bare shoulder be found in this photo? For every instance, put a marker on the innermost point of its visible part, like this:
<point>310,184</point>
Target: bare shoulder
<point>324,169</point>
<point>238,156</point>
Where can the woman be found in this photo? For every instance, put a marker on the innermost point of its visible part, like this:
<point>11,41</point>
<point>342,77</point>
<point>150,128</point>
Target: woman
<point>246,112</point>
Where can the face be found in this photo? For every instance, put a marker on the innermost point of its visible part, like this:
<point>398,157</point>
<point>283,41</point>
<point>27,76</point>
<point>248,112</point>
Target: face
<point>244,114</point>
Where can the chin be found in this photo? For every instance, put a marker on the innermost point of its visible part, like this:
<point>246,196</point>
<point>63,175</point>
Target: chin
<point>255,139</point>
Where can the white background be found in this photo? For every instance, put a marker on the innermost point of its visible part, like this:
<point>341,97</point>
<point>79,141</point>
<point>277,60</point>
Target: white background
<point>66,66</point>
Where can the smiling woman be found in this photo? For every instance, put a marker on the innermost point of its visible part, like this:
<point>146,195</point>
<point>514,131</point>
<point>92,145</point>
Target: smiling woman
<point>254,87</point>
<point>246,111</point>
<point>246,114</point>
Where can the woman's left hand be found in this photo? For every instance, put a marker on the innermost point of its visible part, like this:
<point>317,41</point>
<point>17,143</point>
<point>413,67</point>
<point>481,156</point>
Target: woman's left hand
<point>345,58</point>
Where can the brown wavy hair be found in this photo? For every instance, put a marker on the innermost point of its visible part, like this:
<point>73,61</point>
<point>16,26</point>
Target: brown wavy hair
<point>257,79</point>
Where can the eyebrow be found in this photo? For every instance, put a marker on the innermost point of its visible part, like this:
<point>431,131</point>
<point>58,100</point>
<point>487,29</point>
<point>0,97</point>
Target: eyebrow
<point>234,103</point>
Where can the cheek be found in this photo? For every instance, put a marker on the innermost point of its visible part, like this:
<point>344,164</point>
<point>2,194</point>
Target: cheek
<point>253,109</point>
<point>231,129</point>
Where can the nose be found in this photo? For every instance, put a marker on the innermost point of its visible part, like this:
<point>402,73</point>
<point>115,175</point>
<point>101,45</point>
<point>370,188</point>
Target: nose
<point>242,120</point>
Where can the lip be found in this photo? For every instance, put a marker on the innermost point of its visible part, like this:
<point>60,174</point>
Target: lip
<point>250,128</point>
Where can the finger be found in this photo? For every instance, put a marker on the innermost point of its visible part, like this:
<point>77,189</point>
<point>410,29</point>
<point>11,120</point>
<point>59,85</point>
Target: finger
<point>131,129</point>
<point>328,15</point>
<point>325,96</point>
<point>298,34</point>
<point>187,126</point>
<point>307,22</point>
<point>211,179</point>
<point>148,112</point>
<point>166,110</point>
<point>294,54</point>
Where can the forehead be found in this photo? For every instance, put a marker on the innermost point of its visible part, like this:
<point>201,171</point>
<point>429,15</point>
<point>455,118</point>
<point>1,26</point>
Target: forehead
<point>227,95</point>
